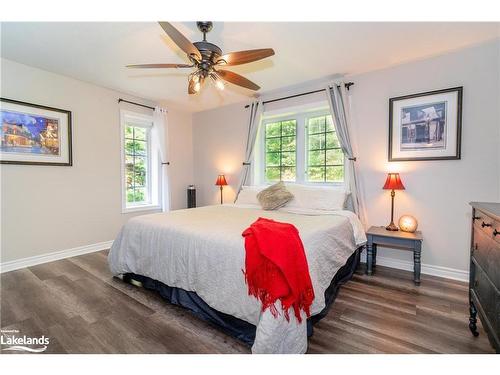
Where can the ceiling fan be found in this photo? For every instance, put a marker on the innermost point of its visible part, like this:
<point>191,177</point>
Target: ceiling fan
<point>205,57</point>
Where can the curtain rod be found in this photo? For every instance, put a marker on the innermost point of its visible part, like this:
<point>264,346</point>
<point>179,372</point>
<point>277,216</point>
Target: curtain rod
<point>347,86</point>
<point>134,103</point>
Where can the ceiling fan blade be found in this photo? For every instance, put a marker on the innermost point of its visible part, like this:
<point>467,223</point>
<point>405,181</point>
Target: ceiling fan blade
<point>244,57</point>
<point>180,40</point>
<point>159,66</point>
<point>236,79</point>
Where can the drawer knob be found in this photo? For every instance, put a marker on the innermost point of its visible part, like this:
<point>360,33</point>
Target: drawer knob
<point>495,232</point>
<point>485,224</point>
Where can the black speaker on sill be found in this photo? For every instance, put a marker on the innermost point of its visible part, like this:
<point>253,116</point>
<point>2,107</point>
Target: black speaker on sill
<point>191,196</point>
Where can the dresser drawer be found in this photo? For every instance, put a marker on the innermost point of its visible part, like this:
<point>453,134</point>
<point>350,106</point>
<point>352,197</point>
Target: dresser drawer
<point>489,298</point>
<point>486,252</point>
<point>487,225</point>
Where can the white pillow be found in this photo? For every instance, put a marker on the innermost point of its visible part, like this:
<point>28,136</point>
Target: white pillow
<point>329,198</point>
<point>248,195</point>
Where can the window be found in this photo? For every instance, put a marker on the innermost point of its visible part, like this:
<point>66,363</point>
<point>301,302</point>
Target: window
<point>325,159</point>
<point>299,147</point>
<point>140,165</point>
<point>280,139</point>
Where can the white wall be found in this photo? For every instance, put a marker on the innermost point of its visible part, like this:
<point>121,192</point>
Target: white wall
<point>181,156</point>
<point>47,208</point>
<point>219,141</point>
<point>437,192</point>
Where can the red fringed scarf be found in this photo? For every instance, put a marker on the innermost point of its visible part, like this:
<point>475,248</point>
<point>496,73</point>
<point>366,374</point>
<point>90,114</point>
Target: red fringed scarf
<point>276,267</point>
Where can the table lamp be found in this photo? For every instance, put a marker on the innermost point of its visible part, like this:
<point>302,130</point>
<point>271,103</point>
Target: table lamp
<point>393,182</point>
<point>221,181</point>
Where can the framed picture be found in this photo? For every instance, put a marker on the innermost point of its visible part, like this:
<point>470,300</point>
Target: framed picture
<point>34,134</point>
<point>426,126</point>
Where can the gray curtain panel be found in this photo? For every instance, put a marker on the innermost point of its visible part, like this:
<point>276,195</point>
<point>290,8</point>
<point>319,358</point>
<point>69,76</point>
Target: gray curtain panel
<point>255,110</point>
<point>337,99</point>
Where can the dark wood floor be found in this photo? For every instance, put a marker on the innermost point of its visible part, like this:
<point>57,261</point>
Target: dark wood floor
<point>83,309</point>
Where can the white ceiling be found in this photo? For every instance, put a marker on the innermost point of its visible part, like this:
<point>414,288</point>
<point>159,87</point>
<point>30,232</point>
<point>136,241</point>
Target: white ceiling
<point>98,52</point>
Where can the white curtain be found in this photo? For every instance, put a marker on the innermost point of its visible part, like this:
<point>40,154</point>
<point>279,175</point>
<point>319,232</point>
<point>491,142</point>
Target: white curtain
<point>253,127</point>
<point>338,101</point>
<point>160,139</point>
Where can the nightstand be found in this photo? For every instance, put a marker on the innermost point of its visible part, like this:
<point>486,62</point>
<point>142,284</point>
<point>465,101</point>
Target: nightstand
<point>395,239</point>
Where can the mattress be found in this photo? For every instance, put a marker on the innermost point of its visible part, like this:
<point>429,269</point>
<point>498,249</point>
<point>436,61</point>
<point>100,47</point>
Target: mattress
<point>202,250</point>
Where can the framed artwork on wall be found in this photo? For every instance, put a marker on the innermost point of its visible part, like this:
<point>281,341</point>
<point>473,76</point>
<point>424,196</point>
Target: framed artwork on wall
<point>426,126</point>
<point>34,134</point>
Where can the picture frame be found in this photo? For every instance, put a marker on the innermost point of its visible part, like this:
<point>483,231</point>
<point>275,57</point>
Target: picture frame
<point>33,134</point>
<point>426,126</point>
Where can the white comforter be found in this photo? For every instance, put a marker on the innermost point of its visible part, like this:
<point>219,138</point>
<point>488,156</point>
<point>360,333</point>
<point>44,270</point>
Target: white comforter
<point>202,250</point>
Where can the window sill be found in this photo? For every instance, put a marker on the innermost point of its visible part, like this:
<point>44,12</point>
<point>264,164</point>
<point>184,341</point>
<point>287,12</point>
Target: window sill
<point>146,207</point>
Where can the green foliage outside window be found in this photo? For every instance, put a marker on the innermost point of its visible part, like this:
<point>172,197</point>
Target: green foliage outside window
<point>136,154</point>
<point>325,159</point>
<point>280,147</point>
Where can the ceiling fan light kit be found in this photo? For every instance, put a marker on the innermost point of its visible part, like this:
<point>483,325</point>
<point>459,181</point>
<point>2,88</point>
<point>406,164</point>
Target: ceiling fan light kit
<point>205,57</point>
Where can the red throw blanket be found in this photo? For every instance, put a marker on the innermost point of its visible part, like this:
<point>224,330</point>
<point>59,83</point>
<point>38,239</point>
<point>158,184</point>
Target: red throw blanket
<point>276,267</point>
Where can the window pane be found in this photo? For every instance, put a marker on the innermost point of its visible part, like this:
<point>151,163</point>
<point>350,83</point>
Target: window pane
<point>140,195</point>
<point>316,125</point>
<point>273,159</point>
<point>288,144</point>
<point>280,147</point>
<point>334,157</point>
<point>335,174</point>
<point>129,146</point>
<point>273,144</point>
<point>329,124</point>
<point>288,159</point>
<point>140,133</point>
<point>273,129</point>
<point>140,171</point>
<point>130,195</point>
<point>288,174</point>
<point>316,174</point>
<point>316,141</point>
<point>332,140</point>
<point>140,147</point>
<point>273,174</point>
<point>129,131</point>
<point>316,158</point>
<point>288,127</point>
<point>129,171</point>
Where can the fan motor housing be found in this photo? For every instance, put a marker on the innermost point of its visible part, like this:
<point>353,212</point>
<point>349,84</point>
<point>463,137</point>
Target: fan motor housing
<point>208,50</point>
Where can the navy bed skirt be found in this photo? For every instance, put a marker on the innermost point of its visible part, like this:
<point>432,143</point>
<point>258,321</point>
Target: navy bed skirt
<point>235,327</point>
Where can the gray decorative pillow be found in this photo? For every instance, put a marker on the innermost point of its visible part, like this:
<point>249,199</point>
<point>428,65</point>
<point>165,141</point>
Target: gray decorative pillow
<point>274,197</point>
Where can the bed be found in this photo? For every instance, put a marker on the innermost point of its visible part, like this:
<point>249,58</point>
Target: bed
<point>195,258</point>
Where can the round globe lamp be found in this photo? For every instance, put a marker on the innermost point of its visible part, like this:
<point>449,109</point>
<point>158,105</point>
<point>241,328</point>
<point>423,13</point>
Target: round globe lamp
<point>408,223</point>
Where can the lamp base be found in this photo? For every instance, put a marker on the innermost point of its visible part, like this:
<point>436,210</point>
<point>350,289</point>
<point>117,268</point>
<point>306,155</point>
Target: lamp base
<point>392,227</point>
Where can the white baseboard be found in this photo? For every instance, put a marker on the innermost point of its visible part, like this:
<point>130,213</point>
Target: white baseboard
<point>50,257</point>
<point>427,269</point>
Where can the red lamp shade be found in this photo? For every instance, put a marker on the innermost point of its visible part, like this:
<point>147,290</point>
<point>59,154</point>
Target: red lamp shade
<point>221,180</point>
<point>393,182</point>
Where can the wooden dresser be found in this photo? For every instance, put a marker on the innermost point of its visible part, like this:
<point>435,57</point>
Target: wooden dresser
<point>484,281</point>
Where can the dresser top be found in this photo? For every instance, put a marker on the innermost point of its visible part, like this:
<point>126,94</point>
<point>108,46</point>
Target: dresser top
<point>490,208</point>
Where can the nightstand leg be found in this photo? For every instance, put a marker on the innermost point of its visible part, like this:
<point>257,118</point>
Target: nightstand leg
<point>369,258</point>
<point>416,262</point>
<point>374,255</point>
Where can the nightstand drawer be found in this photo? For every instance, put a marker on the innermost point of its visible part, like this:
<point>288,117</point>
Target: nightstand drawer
<point>489,299</point>
<point>486,252</point>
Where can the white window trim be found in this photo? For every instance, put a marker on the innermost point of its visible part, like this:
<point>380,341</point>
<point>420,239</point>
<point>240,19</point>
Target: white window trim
<point>301,154</point>
<point>154,192</point>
